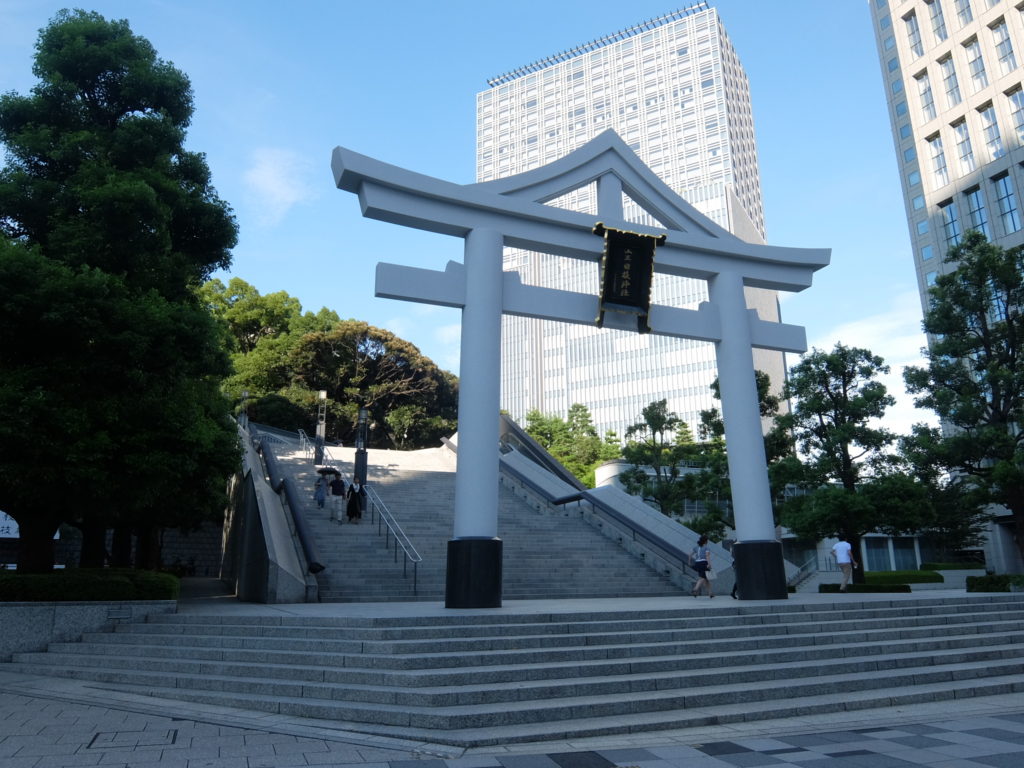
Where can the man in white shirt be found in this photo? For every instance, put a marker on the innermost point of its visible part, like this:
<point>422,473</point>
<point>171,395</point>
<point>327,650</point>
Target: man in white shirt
<point>843,553</point>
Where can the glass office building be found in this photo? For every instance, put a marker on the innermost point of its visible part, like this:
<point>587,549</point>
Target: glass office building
<point>953,80</point>
<point>673,88</point>
<point>954,88</point>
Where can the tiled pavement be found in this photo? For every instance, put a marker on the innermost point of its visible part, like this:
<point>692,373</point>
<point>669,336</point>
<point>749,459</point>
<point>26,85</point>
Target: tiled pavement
<point>57,723</point>
<point>56,727</point>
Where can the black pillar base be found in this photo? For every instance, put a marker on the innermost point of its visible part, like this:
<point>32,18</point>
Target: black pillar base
<point>473,578</point>
<point>759,570</point>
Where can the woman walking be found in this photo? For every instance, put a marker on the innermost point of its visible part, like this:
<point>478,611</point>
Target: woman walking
<point>354,511</point>
<point>700,559</point>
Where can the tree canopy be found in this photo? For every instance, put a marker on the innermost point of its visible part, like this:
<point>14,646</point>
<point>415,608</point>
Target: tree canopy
<point>283,358</point>
<point>851,483</point>
<point>574,441</point>
<point>111,366</point>
<point>974,376</point>
<point>657,446</point>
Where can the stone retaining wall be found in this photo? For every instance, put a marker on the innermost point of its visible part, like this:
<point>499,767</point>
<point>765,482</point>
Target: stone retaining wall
<point>31,627</point>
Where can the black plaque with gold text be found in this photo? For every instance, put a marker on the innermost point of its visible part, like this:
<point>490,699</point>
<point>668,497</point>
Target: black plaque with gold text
<point>627,271</point>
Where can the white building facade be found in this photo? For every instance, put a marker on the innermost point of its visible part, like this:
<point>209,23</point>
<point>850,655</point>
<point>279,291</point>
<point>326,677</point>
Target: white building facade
<point>953,80</point>
<point>674,90</point>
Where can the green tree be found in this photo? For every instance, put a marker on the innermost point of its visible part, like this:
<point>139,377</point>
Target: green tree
<point>358,364</point>
<point>958,516</point>
<point>260,332</point>
<point>573,441</point>
<point>852,488</point>
<point>111,366</point>
<point>656,447</point>
<point>974,377</point>
<point>711,485</point>
<point>248,316</point>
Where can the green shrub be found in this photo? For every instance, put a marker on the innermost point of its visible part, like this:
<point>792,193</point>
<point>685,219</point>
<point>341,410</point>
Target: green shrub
<point>903,577</point>
<point>150,585</point>
<point>834,588</point>
<point>952,566</point>
<point>999,582</point>
<point>88,585</point>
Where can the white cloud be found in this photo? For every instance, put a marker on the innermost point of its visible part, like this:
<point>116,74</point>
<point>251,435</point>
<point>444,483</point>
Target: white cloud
<point>277,181</point>
<point>895,335</point>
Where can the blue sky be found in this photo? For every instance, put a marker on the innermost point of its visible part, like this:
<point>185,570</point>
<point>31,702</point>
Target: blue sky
<point>278,86</point>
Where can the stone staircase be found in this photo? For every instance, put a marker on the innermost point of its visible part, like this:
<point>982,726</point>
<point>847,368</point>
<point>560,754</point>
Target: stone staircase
<point>496,678</point>
<point>548,553</point>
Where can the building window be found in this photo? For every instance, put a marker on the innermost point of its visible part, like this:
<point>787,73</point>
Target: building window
<point>922,227</point>
<point>963,147</point>
<point>909,155</point>
<point>905,131</point>
<point>938,156</point>
<point>924,91</point>
<point>914,178</point>
<point>901,108</point>
<point>950,224</point>
<point>929,278</point>
<point>993,141</point>
<point>1004,48</point>
<point>1017,112</point>
<point>1006,204</point>
<point>976,216</point>
<point>914,34</point>
<point>937,19</point>
<point>918,202</point>
<point>926,252</point>
<point>949,82</point>
<point>964,14</point>
<point>976,65</point>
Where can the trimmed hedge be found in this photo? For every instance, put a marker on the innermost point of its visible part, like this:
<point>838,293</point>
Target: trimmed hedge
<point>834,588</point>
<point>999,582</point>
<point>903,577</point>
<point>952,566</point>
<point>79,584</point>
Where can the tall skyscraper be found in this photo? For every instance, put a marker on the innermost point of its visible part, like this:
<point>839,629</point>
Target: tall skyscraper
<point>954,87</point>
<point>674,90</point>
<point>953,83</point>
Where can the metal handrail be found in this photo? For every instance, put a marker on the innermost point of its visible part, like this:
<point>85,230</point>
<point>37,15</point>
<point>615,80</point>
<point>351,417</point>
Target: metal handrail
<point>281,483</point>
<point>804,571</point>
<point>305,445</point>
<point>380,513</point>
<point>668,552</point>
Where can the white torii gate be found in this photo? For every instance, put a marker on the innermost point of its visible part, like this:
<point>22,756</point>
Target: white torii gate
<point>512,212</point>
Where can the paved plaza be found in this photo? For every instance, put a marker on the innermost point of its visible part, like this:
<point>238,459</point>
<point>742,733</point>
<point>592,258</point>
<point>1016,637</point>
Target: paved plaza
<point>53,723</point>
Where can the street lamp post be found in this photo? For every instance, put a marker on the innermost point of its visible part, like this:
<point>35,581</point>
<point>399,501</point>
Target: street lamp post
<point>362,428</point>
<point>321,428</point>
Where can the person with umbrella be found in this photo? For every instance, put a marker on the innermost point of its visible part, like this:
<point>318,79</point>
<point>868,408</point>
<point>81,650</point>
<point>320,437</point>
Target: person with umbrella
<point>322,486</point>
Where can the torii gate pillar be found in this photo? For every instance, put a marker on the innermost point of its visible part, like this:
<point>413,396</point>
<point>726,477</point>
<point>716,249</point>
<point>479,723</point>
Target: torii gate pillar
<point>473,577</point>
<point>757,554</point>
